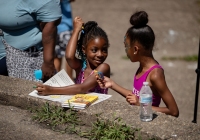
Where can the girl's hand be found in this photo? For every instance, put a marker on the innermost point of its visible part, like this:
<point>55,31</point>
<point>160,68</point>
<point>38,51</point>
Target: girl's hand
<point>78,23</point>
<point>105,82</point>
<point>43,89</point>
<point>132,99</point>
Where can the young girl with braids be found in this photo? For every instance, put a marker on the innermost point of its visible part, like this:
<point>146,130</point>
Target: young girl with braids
<point>85,56</point>
<point>139,41</point>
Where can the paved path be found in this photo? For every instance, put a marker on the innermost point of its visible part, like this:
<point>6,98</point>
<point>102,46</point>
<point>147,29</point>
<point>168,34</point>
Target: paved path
<point>175,23</point>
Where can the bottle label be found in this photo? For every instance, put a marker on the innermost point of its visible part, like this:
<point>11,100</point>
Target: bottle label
<point>145,99</point>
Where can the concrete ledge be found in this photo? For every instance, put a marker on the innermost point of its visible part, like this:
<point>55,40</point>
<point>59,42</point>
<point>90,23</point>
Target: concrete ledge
<point>15,92</point>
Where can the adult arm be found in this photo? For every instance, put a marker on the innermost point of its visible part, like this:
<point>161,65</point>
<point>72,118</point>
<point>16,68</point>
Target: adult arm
<point>49,33</point>
<point>48,15</point>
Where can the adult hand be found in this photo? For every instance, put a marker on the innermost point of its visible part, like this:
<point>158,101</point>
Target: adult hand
<point>132,99</point>
<point>48,70</point>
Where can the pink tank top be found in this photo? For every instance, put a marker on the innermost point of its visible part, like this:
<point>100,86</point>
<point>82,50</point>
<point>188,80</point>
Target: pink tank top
<point>80,79</point>
<point>137,85</point>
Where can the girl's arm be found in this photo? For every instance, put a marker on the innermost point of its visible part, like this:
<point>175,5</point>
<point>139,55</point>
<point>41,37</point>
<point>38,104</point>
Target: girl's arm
<point>89,83</point>
<point>158,83</point>
<point>124,92</point>
<point>108,83</point>
<point>67,90</point>
<point>73,62</point>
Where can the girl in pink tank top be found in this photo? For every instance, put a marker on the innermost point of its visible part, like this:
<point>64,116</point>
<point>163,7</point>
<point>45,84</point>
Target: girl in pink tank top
<point>139,41</point>
<point>138,83</point>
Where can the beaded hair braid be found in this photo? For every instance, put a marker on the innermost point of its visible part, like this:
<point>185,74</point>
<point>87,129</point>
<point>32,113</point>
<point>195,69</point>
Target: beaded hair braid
<point>90,31</point>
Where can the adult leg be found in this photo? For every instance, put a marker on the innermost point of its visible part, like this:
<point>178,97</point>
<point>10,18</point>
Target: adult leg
<point>62,40</point>
<point>69,70</point>
<point>3,69</point>
<point>57,63</point>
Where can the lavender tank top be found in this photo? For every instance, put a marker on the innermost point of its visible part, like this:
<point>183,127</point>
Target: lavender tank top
<point>138,82</point>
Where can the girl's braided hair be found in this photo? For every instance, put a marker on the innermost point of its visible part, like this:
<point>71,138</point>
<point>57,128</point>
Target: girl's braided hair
<point>90,31</point>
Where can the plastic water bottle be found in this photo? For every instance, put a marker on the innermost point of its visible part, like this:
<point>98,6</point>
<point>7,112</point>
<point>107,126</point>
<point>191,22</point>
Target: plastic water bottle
<point>146,113</point>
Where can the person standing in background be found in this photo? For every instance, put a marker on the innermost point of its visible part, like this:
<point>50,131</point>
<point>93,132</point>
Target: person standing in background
<point>63,35</point>
<point>28,27</point>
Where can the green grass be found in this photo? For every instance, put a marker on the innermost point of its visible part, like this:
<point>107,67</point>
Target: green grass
<point>184,58</point>
<point>111,130</point>
<point>55,116</point>
<point>70,122</point>
<point>125,57</point>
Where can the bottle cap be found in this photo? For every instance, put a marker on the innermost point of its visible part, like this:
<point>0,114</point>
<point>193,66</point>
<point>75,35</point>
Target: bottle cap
<point>145,83</point>
<point>38,74</point>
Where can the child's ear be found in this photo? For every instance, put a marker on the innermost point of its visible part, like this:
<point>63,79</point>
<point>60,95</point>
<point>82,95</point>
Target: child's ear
<point>83,49</point>
<point>136,49</point>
